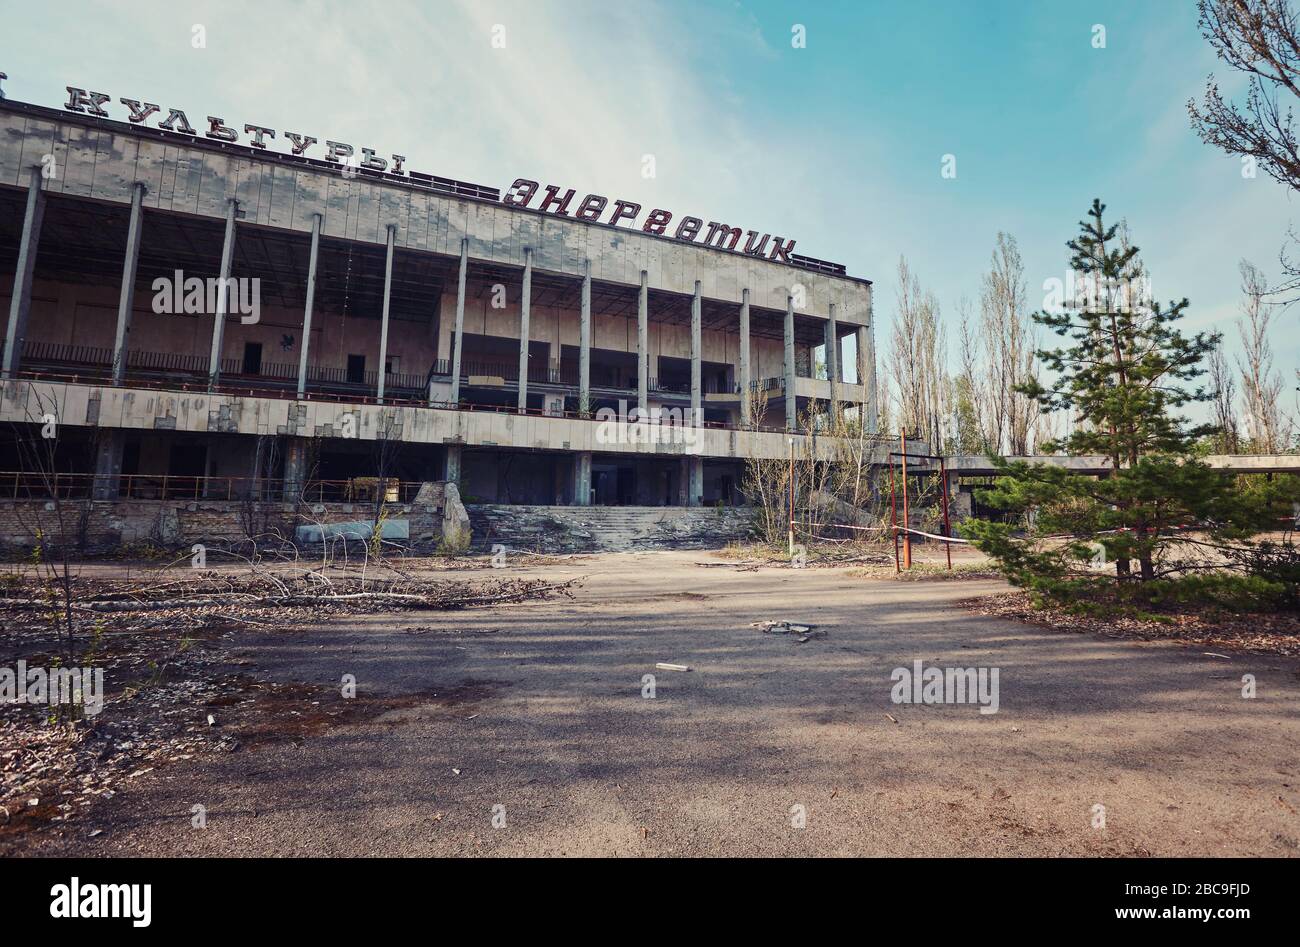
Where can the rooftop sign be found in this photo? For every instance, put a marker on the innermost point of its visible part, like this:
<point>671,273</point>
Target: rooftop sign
<point>520,194</point>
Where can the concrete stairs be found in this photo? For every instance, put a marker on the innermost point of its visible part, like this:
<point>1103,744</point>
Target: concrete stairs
<point>569,529</point>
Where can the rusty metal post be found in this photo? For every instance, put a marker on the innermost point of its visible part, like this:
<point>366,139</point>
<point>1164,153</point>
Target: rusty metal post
<point>893,515</point>
<point>947,527</point>
<point>907,520</point>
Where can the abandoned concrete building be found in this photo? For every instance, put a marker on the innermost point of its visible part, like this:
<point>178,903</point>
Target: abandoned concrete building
<point>206,319</point>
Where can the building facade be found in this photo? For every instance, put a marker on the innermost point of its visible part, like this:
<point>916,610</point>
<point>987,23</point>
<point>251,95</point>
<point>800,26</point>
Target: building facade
<point>187,307</point>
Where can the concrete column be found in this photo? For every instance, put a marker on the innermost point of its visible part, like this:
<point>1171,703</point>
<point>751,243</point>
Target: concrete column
<point>524,305</point>
<point>126,299</point>
<point>582,478</point>
<point>383,320</point>
<point>791,402</point>
<point>833,359</point>
<point>697,413</point>
<point>316,221</point>
<point>744,359</point>
<point>695,481</point>
<point>458,330</point>
<point>223,295</point>
<point>584,344</point>
<point>684,482</point>
<point>295,468</point>
<point>867,376</point>
<point>108,462</point>
<point>452,465</point>
<point>642,347</point>
<point>20,306</point>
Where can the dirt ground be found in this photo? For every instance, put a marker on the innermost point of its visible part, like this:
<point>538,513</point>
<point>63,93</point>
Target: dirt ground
<point>525,730</point>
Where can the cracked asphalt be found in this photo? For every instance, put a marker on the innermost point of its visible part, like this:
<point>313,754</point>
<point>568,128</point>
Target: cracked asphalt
<point>524,730</point>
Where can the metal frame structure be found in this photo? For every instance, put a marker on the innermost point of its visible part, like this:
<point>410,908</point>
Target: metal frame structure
<point>906,530</point>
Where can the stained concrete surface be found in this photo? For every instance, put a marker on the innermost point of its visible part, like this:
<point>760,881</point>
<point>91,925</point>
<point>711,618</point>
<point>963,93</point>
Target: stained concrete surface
<point>540,709</point>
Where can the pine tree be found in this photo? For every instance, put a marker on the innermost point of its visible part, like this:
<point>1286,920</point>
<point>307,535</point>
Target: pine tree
<point>1124,374</point>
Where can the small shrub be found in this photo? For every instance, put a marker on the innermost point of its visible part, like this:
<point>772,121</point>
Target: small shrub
<point>1227,590</point>
<point>1276,563</point>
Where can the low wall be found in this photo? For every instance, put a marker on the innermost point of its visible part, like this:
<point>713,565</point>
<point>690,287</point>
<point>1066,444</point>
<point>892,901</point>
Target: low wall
<point>569,529</point>
<point>99,526</point>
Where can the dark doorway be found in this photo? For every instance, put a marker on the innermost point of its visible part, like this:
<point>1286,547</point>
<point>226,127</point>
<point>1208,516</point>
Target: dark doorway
<point>356,369</point>
<point>131,457</point>
<point>613,485</point>
<point>187,460</point>
<point>252,358</point>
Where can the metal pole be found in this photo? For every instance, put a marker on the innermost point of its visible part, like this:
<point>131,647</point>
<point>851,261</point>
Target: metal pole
<point>893,515</point>
<point>791,530</point>
<point>907,520</point>
<point>947,529</point>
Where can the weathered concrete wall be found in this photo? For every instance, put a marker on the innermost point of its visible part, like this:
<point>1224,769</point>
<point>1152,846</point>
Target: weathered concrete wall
<point>551,529</point>
<point>105,526</point>
<point>140,409</point>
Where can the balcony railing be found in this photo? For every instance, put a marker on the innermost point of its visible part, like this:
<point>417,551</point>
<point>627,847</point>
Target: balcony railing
<point>188,373</point>
<point>94,358</point>
<point>15,485</point>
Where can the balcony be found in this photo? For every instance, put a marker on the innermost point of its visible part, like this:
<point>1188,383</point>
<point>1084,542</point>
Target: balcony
<point>92,363</point>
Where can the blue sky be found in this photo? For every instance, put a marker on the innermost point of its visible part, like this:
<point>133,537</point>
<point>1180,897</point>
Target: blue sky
<point>838,144</point>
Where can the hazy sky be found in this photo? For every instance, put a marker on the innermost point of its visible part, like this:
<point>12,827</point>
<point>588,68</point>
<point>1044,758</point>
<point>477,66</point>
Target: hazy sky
<point>838,144</point>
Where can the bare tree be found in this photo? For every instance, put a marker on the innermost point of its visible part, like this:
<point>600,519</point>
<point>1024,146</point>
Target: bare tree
<point>756,398</point>
<point>1009,344</point>
<point>917,360</point>
<point>1225,396</point>
<point>1225,401</point>
<point>52,534</point>
<point>1261,386</point>
<point>969,387</point>
<point>1260,38</point>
